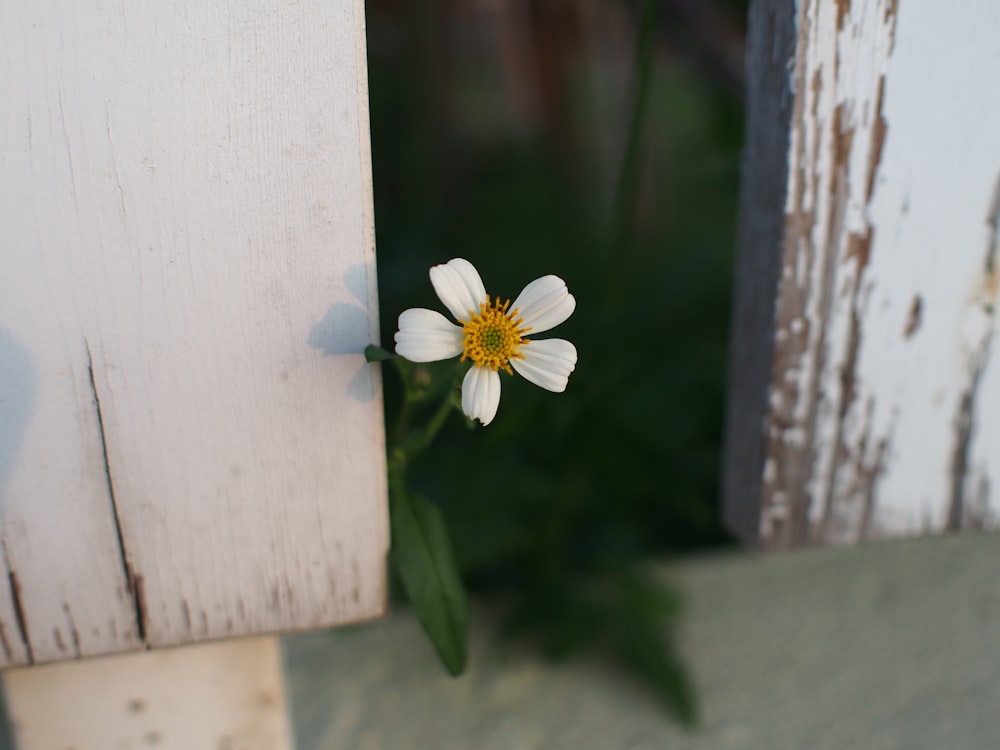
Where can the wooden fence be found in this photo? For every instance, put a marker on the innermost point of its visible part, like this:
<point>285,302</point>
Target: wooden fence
<point>862,384</point>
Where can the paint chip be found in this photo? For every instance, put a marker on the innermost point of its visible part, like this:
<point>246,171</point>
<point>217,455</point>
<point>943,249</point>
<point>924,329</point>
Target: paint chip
<point>915,317</point>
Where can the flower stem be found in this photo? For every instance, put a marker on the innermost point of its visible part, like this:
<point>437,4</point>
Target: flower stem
<point>433,426</point>
<point>403,418</point>
<point>627,193</point>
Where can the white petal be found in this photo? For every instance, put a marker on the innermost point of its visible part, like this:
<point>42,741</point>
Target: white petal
<point>427,336</point>
<point>546,363</point>
<point>544,304</point>
<point>481,394</point>
<point>458,285</point>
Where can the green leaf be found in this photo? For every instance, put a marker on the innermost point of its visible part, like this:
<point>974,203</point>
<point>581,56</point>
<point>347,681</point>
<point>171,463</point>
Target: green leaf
<point>648,614</point>
<point>422,553</point>
<point>654,659</point>
<point>375,353</point>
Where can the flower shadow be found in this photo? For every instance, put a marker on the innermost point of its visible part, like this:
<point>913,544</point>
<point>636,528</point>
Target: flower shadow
<point>346,329</point>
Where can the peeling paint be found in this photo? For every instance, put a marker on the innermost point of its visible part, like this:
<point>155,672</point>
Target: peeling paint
<point>960,456</point>
<point>965,417</point>
<point>879,127</point>
<point>843,10</point>
<point>890,21</point>
<point>835,153</point>
<point>789,456</point>
<point>914,317</point>
<point>859,247</point>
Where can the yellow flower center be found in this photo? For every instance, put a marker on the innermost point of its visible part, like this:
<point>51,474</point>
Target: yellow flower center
<point>493,336</point>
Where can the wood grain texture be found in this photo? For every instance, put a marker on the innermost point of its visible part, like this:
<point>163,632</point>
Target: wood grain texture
<point>195,448</point>
<point>882,383</point>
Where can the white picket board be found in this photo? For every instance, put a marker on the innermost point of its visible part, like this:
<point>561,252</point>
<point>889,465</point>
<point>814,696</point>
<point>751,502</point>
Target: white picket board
<point>878,415</point>
<point>191,443</point>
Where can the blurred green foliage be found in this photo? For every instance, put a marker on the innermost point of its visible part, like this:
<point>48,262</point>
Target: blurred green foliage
<point>555,507</point>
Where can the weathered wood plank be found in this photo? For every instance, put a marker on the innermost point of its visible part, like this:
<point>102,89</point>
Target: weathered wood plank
<point>189,277</point>
<point>222,696</point>
<point>881,381</point>
<point>771,36</point>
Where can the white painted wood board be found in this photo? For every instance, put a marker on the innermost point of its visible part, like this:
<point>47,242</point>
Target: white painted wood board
<point>224,696</point>
<point>191,444</point>
<point>878,415</point>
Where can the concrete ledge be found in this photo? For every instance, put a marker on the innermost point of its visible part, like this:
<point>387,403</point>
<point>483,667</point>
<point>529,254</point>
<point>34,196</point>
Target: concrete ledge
<point>886,647</point>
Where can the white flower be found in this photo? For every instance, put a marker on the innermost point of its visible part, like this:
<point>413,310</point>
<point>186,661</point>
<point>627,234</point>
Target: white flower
<point>491,334</point>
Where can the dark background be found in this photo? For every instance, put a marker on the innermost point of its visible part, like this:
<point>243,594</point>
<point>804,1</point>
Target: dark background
<point>597,140</point>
